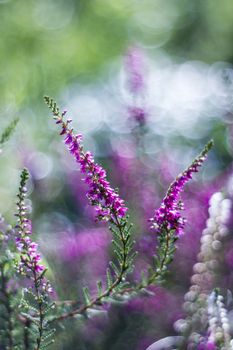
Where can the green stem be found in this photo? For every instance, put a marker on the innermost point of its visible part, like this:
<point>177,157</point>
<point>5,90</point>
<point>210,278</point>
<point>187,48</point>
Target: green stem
<point>137,288</point>
<point>40,306</point>
<point>108,291</point>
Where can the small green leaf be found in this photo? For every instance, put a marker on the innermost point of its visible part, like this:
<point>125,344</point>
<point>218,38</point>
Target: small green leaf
<point>109,278</point>
<point>86,295</point>
<point>99,288</point>
<point>114,268</point>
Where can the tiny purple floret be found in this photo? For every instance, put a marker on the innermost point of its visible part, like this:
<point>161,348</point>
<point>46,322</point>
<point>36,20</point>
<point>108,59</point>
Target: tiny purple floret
<point>106,201</point>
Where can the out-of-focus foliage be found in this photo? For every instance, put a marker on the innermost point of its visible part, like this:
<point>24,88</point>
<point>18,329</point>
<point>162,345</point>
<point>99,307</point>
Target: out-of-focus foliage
<point>46,44</point>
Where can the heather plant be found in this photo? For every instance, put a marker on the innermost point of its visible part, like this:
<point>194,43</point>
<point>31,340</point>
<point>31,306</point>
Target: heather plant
<point>35,302</point>
<point>55,252</point>
<point>31,308</point>
<point>207,324</point>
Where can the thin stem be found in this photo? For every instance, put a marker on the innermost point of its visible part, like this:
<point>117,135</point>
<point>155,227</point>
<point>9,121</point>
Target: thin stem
<point>110,289</point>
<point>158,273</point>
<point>40,306</point>
<point>107,292</point>
<point>161,268</point>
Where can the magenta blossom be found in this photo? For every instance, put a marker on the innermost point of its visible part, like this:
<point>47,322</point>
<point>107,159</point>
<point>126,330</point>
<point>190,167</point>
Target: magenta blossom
<point>168,217</point>
<point>107,203</point>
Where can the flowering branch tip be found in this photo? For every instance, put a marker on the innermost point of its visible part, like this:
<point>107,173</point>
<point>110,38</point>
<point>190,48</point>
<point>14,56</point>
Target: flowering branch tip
<point>168,217</point>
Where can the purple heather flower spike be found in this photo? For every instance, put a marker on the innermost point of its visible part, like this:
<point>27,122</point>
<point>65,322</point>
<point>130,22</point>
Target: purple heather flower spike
<point>168,216</point>
<point>30,260</point>
<point>107,202</point>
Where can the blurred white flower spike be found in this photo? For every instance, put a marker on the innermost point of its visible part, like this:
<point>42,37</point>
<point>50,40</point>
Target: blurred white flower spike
<point>168,343</point>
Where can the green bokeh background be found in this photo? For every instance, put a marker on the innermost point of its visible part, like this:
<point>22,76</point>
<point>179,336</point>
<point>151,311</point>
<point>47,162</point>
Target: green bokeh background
<point>47,45</point>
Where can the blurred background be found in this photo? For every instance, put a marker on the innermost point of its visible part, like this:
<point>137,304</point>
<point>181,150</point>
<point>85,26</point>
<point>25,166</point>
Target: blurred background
<point>147,83</point>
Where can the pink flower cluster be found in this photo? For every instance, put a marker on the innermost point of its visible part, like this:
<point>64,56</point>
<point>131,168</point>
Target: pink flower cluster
<point>107,203</point>
<point>30,259</point>
<point>168,217</point>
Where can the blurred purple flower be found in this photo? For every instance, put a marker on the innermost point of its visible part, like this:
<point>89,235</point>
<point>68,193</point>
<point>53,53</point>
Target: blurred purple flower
<point>135,71</point>
<point>138,114</point>
<point>81,255</point>
<point>87,242</point>
<point>134,68</point>
<point>154,303</point>
<point>207,346</point>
